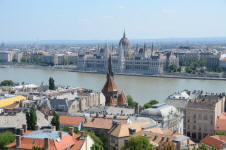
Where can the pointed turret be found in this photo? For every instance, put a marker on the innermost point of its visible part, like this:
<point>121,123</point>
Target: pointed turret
<point>110,72</point>
<point>124,34</point>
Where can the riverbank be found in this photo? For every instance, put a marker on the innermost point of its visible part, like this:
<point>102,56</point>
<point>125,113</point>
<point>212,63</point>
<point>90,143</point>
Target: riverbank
<point>72,69</point>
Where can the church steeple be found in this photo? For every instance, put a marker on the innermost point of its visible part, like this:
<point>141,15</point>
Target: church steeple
<point>124,33</point>
<point>110,72</point>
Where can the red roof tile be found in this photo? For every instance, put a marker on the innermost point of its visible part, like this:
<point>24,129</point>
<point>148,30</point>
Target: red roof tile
<point>71,120</point>
<point>214,141</point>
<point>67,141</point>
<point>221,122</point>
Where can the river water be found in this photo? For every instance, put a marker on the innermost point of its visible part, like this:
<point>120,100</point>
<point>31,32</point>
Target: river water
<point>142,89</point>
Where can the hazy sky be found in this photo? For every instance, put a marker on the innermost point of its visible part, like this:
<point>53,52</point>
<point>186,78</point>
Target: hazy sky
<point>22,20</point>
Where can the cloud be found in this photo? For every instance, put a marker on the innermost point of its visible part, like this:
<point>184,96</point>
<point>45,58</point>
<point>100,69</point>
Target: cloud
<point>168,11</point>
<point>108,17</point>
<point>84,20</point>
<point>121,7</point>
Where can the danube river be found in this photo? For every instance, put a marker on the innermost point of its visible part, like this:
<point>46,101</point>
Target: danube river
<point>142,89</point>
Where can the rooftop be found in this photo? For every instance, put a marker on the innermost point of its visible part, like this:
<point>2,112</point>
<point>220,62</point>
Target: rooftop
<point>46,133</point>
<point>71,120</point>
<point>214,141</point>
<point>221,122</point>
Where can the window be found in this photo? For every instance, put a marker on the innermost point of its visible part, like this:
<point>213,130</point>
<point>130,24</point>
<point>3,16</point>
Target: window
<point>188,134</point>
<point>194,127</point>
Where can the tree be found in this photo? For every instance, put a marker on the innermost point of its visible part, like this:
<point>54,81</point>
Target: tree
<point>7,83</point>
<point>31,119</point>
<point>203,147</point>
<point>131,102</point>
<point>36,148</point>
<point>51,84</point>
<point>103,137</point>
<point>6,138</point>
<point>96,146</point>
<point>150,103</point>
<point>166,146</point>
<point>66,129</point>
<point>221,133</point>
<point>137,143</point>
<point>96,139</point>
<point>56,121</point>
<point>172,68</point>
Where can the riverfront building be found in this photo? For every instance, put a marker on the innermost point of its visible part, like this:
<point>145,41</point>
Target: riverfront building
<point>126,59</point>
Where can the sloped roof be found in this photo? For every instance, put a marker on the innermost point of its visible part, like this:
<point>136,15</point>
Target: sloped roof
<point>123,129</point>
<point>8,101</point>
<point>214,141</point>
<point>16,121</point>
<point>71,120</point>
<point>109,85</point>
<point>100,123</point>
<point>122,99</point>
<point>221,122</point>
<point>54,144</point>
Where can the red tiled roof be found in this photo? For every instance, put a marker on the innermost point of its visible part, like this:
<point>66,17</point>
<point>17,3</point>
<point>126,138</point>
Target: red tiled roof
<point>214,141</point>
<point>67,141</point>
<point>109,85</point>
<point>100,123</point>
<point>78,143</point>
<point>71,120</point>
<point>221,122</point>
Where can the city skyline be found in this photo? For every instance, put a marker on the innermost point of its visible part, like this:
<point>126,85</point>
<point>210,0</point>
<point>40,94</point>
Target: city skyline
<point>101,20</point>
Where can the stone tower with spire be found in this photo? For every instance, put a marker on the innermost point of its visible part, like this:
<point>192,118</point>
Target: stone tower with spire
<point>112,95</point>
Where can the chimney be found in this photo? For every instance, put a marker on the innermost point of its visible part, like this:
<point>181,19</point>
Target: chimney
<point>18,140</point>
<point>46,143</point>
<point>36,127</point>
<point>132,131</point>
<point>21,132</point>
<point>60,135</point>
<point>53,128</point>
<point>24,126</point>
<point>71,131</point>
<point>178,146</point>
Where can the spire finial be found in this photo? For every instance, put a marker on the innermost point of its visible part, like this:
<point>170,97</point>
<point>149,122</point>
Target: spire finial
<point>110,72</point>
<point>124,34</point>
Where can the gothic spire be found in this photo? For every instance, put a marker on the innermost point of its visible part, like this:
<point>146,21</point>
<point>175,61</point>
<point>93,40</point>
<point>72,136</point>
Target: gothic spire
<point>124,34</point>
<point>110,72</point>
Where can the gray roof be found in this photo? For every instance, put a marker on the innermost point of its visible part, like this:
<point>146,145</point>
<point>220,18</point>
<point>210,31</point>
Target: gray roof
<point>16,121</point>
<point>181,138</point>
<point>111,110</point>
<point>159,111</point>
<point>46,133</point>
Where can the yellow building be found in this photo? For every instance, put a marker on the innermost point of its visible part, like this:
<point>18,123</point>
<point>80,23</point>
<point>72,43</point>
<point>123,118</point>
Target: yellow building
<point>8,101</point>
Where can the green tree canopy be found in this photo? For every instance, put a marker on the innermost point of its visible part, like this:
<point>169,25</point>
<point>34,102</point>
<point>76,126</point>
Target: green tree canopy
<point>96,139</point>
<point>56,121</point>
<point>150,103</point>
<point>172,68</point>
<point>51,84</point>
<point>6,138</point>
<point>96,146</point>
<point>131,102</point>
<point>137,143</point>
<point>203,147</point>
<point>31,119</point>
<point>166,146</point>
<point>66,129</point>
<point>7,83</point>
<point>36,148</point>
